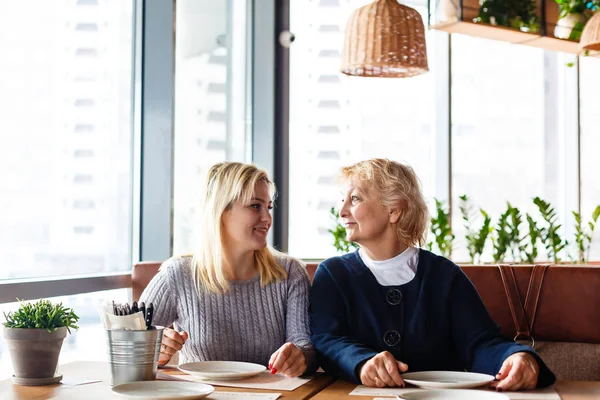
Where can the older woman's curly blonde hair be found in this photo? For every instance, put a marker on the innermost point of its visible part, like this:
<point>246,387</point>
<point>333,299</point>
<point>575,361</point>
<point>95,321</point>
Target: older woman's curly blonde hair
<point>396,185</point>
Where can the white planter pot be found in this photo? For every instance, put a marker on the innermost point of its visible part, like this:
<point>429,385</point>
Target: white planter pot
<point>446,11</point>
<point>34,352</point>
<point>565,25</point>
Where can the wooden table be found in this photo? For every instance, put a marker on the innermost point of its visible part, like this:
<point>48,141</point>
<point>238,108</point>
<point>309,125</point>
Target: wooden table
<point>568,390</point>
<point>101,390</point>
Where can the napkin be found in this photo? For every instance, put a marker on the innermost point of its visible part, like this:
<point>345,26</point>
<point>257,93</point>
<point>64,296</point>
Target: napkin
<point>110,321</point>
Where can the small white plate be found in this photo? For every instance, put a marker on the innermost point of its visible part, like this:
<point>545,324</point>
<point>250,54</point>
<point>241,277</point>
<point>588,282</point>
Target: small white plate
<point>222,370</point>
<point>163,390</point>
<point>452,394</point>
<point>447,379</point>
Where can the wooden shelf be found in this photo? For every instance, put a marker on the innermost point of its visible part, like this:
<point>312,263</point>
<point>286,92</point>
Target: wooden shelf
<point>554,44</point>
<point>547,10</point>
<point>512,36</point>
<point>487,31</point>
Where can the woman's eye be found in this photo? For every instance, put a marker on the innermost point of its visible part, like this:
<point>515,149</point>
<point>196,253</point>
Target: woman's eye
<point>257,207</point>
<point>354,198</point>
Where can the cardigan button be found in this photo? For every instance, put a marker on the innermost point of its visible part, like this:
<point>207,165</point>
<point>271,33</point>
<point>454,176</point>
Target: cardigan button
<point>391,338</point>
<point>394,297</point>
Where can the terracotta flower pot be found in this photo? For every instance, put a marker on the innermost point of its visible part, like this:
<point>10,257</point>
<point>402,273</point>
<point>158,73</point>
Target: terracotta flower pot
<point>34,352</point>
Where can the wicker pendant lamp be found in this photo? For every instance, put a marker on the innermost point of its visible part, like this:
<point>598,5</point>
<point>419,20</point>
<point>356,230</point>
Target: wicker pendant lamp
<point>590,37</point>
<point>384,39</point>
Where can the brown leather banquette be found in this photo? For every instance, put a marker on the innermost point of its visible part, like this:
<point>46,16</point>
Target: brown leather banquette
<point>556,308</point>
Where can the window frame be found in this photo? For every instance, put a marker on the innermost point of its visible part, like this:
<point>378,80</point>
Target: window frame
<point>152,161</point>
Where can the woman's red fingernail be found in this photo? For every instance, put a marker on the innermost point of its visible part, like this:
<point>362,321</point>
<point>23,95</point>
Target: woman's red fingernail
<point>270,366</point>
<point>273,371</point>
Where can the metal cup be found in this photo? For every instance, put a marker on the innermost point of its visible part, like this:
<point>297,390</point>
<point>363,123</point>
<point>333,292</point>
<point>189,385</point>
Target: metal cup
<point>133,355</point>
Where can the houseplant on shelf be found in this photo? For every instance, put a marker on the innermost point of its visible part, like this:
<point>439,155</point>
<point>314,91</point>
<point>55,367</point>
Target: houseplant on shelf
<point>34,334</point>
<point>573,15</point>
<point>516,14</point>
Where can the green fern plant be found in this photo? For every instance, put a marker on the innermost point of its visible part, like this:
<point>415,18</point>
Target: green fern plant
<point>476,238</point>
<point>502,237</point>
<point>583,237</point>
<point>442,230</point>
<point>515,219</point>
<point>341,244</point>
<point>550,233</point>
<point>529,251</point>
<point>579,237</point>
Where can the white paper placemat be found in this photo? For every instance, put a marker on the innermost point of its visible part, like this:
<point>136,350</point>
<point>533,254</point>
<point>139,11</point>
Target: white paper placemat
<point>263,380</point>
<point>242,396</point>
<point>538,394</point>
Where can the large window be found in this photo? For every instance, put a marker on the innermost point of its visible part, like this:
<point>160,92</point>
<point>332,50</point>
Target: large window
<point>66,137</point>
<point>505,129</point>
<point>211,123</point>
<point>337,120</point>
<point>511,129</point>
<point>590,143</point>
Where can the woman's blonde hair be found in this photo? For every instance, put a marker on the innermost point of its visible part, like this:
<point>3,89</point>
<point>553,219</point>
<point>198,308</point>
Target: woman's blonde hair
<point>228,182</point>
<point>397,186</point>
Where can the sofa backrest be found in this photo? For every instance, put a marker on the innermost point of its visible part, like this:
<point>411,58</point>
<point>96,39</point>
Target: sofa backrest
<point>566,324</point>
<point>568,305</point>
<point>141,275</point>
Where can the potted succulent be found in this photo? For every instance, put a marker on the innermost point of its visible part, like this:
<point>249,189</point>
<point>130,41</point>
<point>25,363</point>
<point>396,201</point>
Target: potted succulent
<point>34,334</point>
<point>573,15</point>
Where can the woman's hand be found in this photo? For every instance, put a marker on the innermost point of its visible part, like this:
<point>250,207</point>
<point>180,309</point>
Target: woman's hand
<point>519,371</point>
<point>172,341</point>
<point>383,370</point>
<point>288,360</point>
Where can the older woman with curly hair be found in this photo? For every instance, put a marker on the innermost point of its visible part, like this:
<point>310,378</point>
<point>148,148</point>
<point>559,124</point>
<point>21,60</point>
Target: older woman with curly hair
<point>391,307</point>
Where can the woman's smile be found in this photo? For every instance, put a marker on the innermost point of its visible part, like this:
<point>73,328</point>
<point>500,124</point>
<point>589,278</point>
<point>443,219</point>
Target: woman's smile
<point>263,230</point>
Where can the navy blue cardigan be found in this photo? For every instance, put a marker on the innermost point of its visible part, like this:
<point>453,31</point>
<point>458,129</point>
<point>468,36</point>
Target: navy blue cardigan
<point>437,321</point>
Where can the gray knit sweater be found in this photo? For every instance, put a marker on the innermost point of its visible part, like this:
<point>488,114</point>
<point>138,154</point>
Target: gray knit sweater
<point>248,323</point>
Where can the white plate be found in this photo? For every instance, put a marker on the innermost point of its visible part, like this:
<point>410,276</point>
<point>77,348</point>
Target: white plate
<point>222,370</point>
<point>163,390</point>
<point>451,394</point>
<point>447,379</point>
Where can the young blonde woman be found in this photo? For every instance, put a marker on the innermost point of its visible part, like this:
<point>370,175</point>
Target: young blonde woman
<point>391,307</point>
<point>235,299</point>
